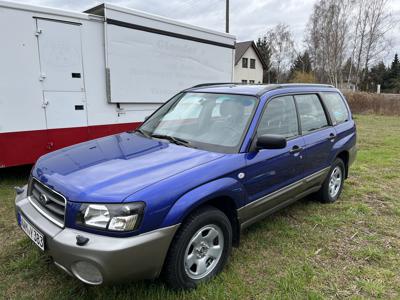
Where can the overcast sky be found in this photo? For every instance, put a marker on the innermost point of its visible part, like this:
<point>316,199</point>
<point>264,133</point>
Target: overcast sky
<point>249,18</point>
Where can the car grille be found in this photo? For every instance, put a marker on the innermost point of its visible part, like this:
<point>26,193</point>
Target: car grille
<point>48,202</point>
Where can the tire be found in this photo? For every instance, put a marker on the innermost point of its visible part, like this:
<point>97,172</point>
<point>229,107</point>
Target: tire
<point>199,250</point>
<point>333,184</point>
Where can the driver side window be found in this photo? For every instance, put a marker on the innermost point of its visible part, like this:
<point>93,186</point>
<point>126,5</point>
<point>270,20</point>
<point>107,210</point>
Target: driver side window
<point>279,117</point>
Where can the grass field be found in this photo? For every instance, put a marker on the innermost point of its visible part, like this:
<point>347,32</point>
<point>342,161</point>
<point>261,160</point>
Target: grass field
<point>350,249</point>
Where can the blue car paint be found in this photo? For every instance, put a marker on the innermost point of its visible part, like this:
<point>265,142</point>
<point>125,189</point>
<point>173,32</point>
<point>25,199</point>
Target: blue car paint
<point>222,188</point>
<point>269,170</point>
<point>110,169</point>
<point>173,180</point>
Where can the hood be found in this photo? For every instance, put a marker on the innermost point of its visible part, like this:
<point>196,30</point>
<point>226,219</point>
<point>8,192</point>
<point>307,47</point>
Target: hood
<point>112,168</point>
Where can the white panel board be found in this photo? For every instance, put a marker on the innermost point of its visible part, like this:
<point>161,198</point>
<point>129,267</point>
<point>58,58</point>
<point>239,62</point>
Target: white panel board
<point>21,95</point>
<point>65,109</point>
<point>149,67</point>
<point>60,55</point>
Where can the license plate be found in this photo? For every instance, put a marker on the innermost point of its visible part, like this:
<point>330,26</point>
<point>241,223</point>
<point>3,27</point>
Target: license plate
<point>35,235</point>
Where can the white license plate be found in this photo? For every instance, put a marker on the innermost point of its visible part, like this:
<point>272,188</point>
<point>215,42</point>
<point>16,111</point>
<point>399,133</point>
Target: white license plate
<point>35,235</point>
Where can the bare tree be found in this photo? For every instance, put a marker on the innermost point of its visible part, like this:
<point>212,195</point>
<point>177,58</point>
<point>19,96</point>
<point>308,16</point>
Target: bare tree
<point>378,24</point>
<point>327,36</point>
<point>342,29</point>
<point>358,38</point>
<point>369,35</point>
<point>281,43</point>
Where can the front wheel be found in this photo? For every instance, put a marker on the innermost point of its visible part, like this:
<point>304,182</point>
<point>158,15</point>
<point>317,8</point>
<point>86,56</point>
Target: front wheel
<point>333,184</point>
<point>199,250</point>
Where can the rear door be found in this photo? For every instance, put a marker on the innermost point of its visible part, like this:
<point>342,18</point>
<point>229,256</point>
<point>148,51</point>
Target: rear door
<point>319,136</point>
<point>61,73</point>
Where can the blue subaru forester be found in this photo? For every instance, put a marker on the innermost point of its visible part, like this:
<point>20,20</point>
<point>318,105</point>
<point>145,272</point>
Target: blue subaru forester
<point>172,197</point>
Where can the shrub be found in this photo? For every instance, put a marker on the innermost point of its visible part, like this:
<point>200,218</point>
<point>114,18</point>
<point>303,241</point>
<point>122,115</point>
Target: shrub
<point>303,77</point>
<point>369,103</point>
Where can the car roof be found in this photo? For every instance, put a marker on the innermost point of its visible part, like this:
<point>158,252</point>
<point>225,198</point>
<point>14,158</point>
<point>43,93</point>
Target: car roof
<point>255,89</point>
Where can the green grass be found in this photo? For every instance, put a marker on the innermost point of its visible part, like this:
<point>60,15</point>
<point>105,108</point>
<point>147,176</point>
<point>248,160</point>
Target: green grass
<point>350,249</point>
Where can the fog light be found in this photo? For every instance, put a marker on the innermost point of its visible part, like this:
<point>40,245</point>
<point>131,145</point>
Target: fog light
<point>87,272</point>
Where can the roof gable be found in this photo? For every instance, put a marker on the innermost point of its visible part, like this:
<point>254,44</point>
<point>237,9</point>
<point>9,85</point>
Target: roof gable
<point>241,48</point>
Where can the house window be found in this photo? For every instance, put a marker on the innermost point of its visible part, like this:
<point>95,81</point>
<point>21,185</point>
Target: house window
<point>252,63</point>
<point>244,81</point>
<point>251,81</point>
<point>245,62</point>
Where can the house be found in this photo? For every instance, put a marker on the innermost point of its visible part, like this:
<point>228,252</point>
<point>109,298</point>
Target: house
<point>249,65</point>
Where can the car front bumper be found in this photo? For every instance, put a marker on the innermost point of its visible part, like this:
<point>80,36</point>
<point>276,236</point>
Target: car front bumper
<point>103,258</point>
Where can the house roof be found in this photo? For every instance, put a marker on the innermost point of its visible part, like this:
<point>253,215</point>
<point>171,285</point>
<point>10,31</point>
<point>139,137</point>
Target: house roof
<point>241,48</point>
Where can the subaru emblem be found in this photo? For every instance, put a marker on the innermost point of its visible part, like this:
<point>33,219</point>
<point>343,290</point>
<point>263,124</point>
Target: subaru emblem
<point>43,199</point>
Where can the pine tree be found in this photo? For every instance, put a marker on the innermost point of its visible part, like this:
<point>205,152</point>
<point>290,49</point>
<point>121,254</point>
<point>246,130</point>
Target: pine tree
<point>301,64</point>
<point>394,75</point>
<point>378,75</point>
<point>395,68</point>
<point>265,49</point>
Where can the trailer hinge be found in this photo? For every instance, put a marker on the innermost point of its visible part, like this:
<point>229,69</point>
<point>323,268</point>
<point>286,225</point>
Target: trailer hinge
<point>45,103</point>
<point>38,32</point>
<point>42,76</point>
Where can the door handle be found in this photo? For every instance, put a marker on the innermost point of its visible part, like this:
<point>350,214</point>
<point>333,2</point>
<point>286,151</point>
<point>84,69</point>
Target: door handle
<point>331,136</point>
<point>296,149</point>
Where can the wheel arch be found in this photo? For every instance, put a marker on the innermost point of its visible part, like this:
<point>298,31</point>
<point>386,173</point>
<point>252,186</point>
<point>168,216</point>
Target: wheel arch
<point>345,156</point>
<point>225,194</point>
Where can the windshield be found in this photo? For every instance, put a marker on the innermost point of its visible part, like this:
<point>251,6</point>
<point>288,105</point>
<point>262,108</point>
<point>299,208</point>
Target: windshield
<point>214,122</point>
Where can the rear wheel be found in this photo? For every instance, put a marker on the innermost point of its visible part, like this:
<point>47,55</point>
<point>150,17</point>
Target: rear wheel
<point>333,184</point>
<point>199,250</point>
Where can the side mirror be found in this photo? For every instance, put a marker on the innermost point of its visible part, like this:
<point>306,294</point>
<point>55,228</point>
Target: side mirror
<point>271,141</point>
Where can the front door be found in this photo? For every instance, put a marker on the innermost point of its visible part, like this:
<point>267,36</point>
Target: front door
<point>61,74</point>
<point>271,170</point>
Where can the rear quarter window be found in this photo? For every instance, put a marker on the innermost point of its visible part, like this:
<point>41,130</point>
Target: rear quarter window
<point>336,107</point>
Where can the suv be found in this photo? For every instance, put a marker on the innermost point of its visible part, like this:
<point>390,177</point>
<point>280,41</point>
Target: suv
<point>173,196</point>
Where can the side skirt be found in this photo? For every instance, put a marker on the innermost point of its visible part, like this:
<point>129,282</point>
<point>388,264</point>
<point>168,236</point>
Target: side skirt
<point>253,211</point>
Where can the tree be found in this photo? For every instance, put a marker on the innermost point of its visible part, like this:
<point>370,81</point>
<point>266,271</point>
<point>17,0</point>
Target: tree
<point>395,67</point>
<point>302,77</point>
<point>281,45</point>
<point>394,75</point>
<point>266,53</point>
<point>341,29</point>
<point>301,64</point>
<point>371,21</point>
<point>378,74</point>
<point>347,72</point>
<point>327,36</point>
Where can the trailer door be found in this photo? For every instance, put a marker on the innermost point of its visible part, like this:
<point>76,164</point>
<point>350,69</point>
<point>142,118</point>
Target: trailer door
<point>61,73</point>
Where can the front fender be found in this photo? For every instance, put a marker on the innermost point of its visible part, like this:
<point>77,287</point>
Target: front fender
<point>223,187</point>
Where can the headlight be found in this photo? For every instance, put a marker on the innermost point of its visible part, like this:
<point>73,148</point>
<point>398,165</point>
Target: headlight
<point>115,217</point>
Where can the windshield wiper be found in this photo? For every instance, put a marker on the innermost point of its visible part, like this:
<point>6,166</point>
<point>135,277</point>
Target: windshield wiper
<point>175,140</point>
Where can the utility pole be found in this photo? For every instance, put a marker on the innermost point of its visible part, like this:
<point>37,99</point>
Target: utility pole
<point>227,17</point>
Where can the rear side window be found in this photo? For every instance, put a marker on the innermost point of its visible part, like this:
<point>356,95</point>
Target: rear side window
<point>312,114</point>
<point>337,108</point>
<point>279,117</point>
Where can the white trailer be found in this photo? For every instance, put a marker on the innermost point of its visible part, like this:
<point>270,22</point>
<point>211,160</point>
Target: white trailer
<point>68,77</point>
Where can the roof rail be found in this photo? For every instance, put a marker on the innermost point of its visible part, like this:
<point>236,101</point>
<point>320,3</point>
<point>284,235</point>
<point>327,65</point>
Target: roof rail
<point>271,87</point>
<point>283,85</point>
<point>213,83</point>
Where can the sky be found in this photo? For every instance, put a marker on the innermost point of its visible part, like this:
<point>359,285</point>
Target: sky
<point>249,19</point>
